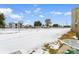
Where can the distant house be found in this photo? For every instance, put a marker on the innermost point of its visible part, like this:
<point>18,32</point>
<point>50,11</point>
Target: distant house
<point>28,26</point>
<point>75,20</point>
<point>15,25</point>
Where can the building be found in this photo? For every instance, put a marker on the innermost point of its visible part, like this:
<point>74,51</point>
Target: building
<point>75,20</point>
<point>15,25</point>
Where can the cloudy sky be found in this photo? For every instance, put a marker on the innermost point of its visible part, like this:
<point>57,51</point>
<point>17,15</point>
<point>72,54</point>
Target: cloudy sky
<point>28,13</point>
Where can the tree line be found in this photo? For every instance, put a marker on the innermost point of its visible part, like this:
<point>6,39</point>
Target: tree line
<point>39,24</point>
<point>36,23</point>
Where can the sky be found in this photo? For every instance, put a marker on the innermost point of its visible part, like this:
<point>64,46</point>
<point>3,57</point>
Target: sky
<point>28,13</point>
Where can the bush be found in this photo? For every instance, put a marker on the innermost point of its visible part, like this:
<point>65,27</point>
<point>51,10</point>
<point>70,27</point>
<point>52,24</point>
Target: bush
<point>56,25</point>
<point>67,26</point>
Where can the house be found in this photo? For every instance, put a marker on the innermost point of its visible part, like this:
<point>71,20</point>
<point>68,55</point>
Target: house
<point>15,25</point>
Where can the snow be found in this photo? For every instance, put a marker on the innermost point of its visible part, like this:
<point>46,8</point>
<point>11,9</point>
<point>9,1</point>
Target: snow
<point>12,40</point>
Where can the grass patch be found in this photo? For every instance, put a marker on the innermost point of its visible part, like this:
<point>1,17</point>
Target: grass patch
<point>69,35</point>
<point>52,51</point>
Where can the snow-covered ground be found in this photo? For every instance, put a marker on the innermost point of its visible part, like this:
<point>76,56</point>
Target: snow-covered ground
<point>26,39</point>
